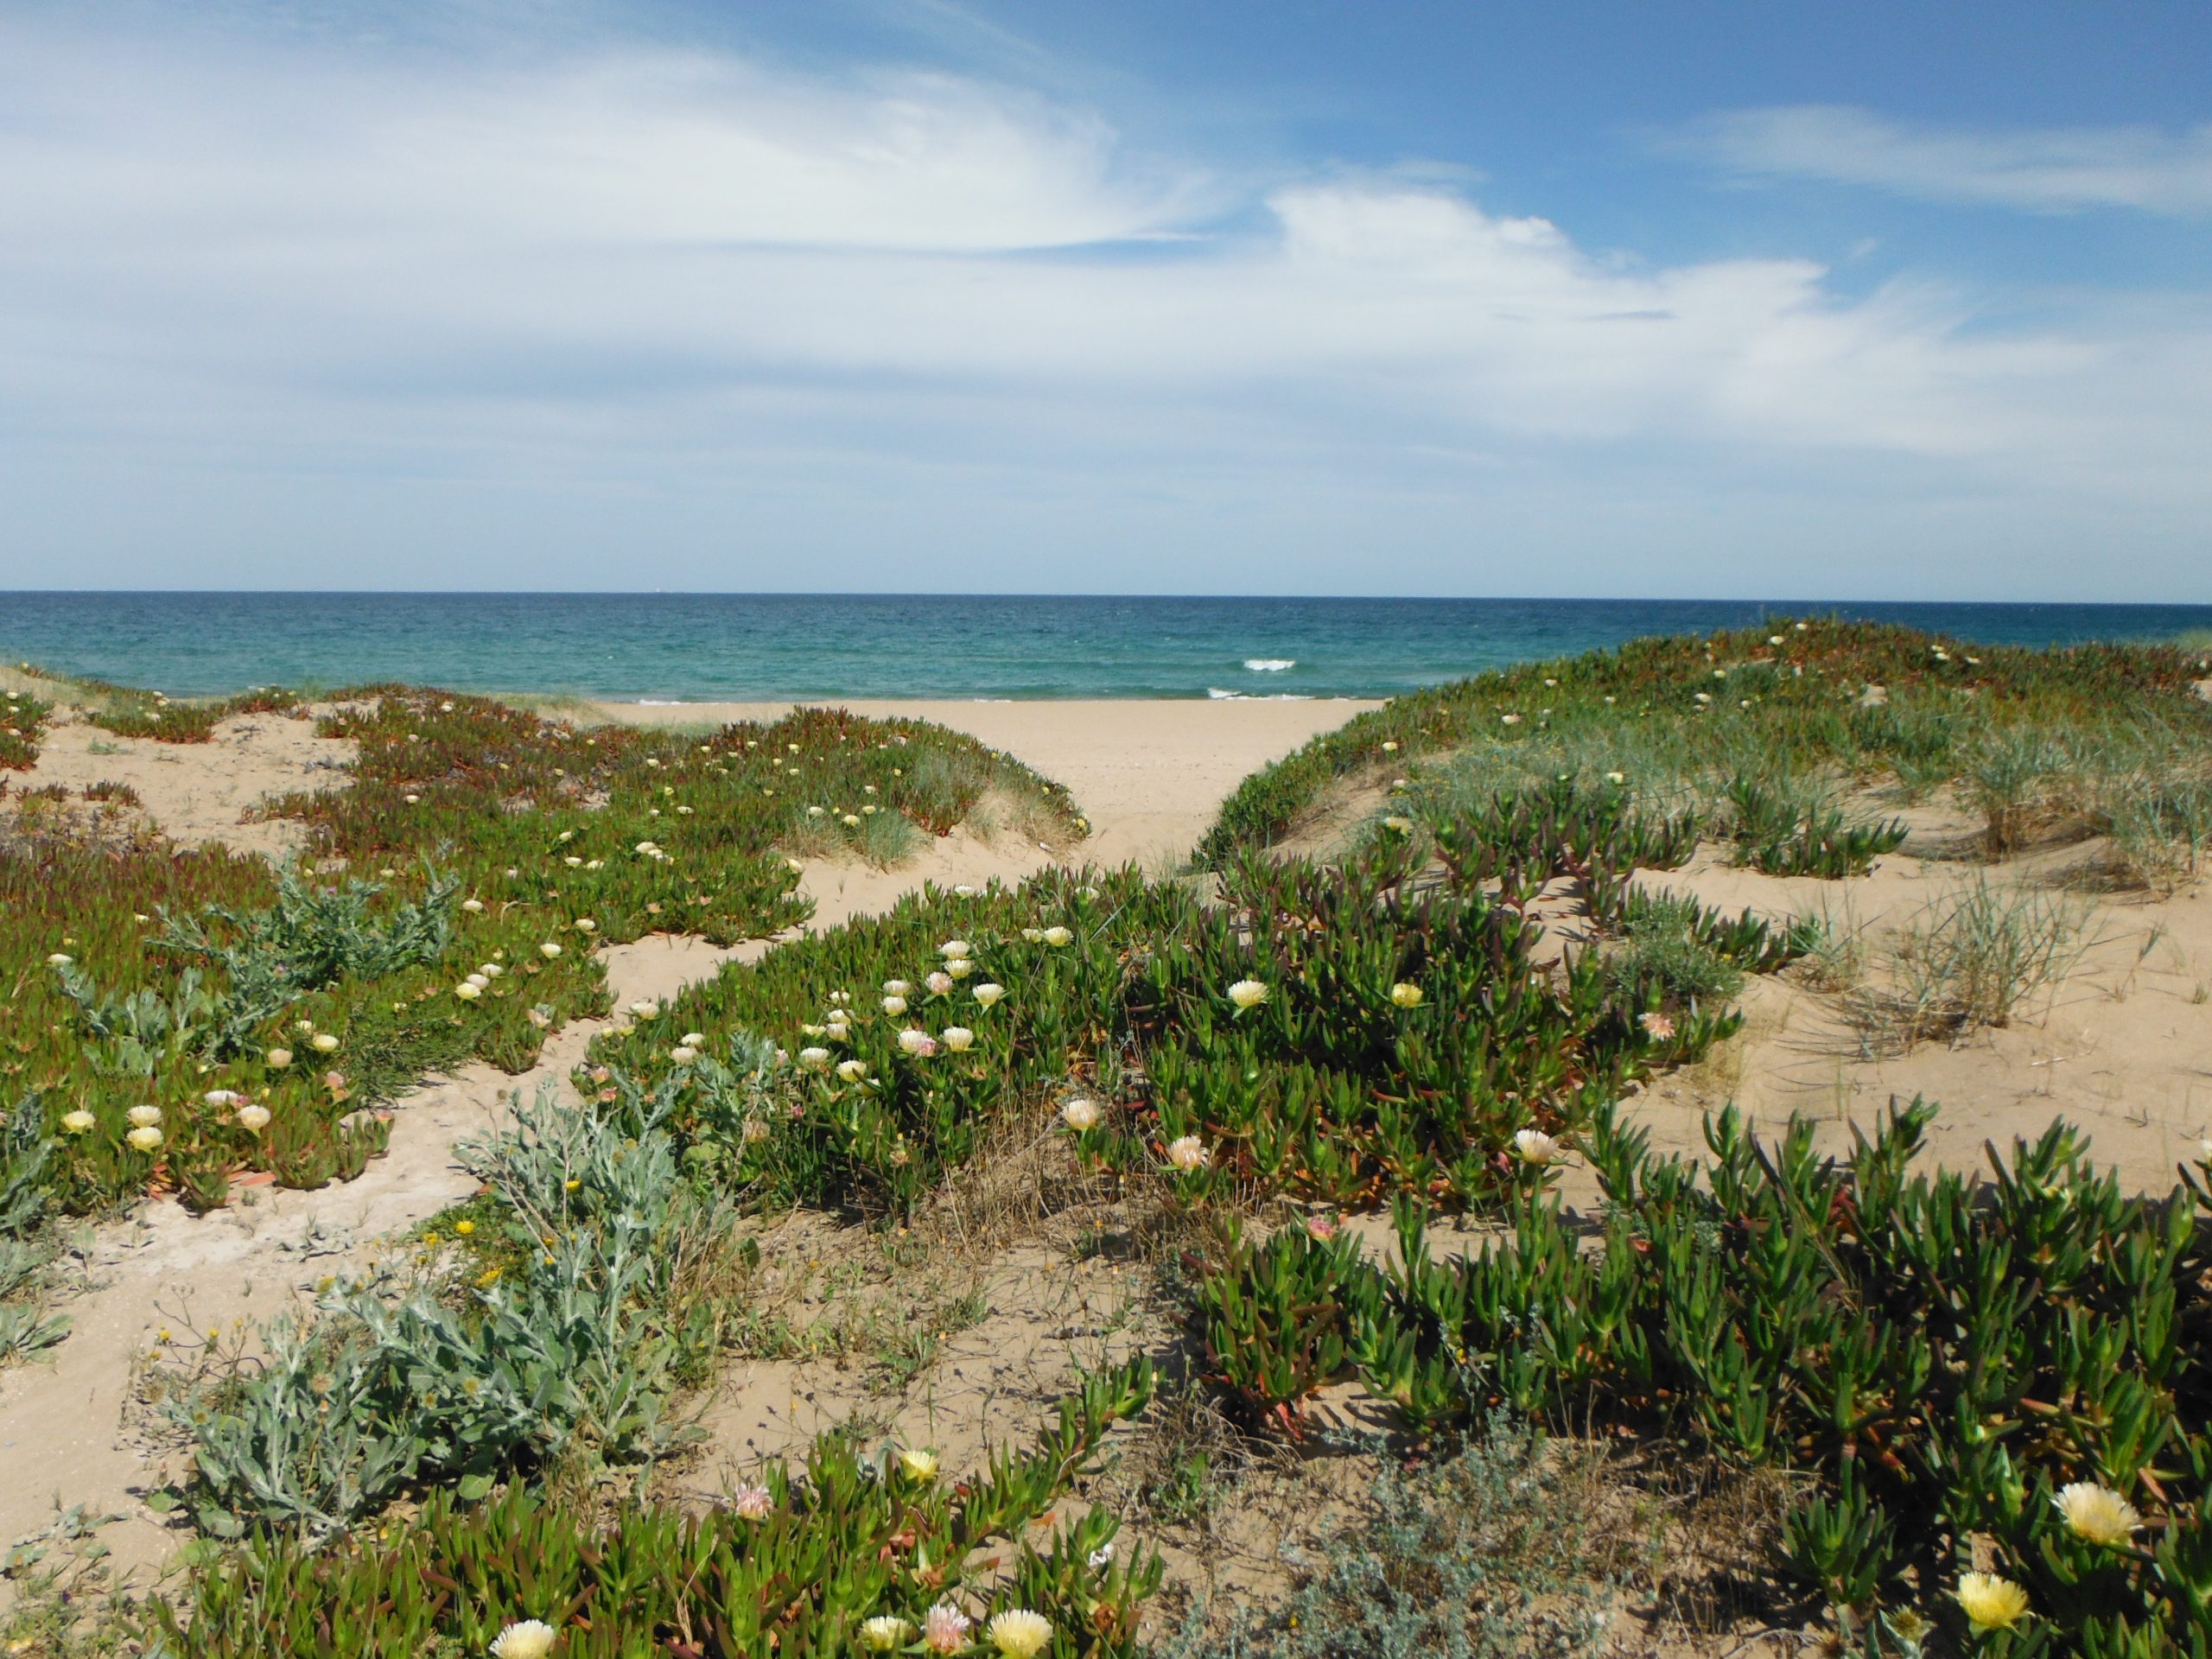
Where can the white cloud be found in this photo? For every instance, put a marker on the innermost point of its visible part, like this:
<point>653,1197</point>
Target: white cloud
<point>667,277</point>
<point>2056,169</point>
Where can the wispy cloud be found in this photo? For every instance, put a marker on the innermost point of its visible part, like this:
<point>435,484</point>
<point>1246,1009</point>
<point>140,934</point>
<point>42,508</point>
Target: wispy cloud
<point>929,300</point>
<point>2052,169</point>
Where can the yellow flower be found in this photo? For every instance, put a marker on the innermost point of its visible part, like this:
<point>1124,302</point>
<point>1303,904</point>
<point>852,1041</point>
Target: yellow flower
<point>145,1139</point>
<point>1248,994</point>
<point>919,1461</point>
<point>79,1121</point>
<point>1991,1603</point>
<point>322,1042</point>
<point>2096,1513</point>
<point>1019,1633</point>
<point>886,1633</point>
<point>1406,994</point>
<point>1056,936</point>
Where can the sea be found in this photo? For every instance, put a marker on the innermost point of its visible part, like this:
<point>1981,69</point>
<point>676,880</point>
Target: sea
<point>679,648</point>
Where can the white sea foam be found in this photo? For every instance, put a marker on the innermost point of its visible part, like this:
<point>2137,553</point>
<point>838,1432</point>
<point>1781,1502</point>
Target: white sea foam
<point>1220,695</point>
<point>1270,665</point>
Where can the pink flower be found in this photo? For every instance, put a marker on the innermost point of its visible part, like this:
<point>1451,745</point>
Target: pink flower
<point>1658,1026</point>
<point>752,1501</point>
<point>944,1629</point>
<point>1323,1228</point>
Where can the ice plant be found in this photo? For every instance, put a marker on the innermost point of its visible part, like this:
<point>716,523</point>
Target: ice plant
<point>1019,1633</point>
<point>278,1058</point>
<point>752,1501</point>
<point>144,1117</point>
<point>528,1638</point>
<point>817,1059</point>
<point>253,1119</point>
<point>548,950</point>
<point>944,1629</point>
<point>1187,1152</point>
<point>1406,994</point>
<point>1991,1603</point>
<point>1057,936</point>
<point>2096,1514</point>
<point>1080,1114</point>
<point>918,1462</point>
<point>147,1139</point>
<point>323,1042</point>
<point>1248,994</point>
<point>852,1071</point>
<point>886,1633</point>
<point>918,1043</point>
<point>958,1038</point>
<point>940,984</point>
<point>1535,1146</point>
<point>1657,1025</point>
<point>894,1006</point>
<point>989,993</point>
<point>468,990</point>
<point>952,947</point>
<point>79,1121</point>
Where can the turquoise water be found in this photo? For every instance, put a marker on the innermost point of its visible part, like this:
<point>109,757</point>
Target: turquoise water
<point>700,647</point>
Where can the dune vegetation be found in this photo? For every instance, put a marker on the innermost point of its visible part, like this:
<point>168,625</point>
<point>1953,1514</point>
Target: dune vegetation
<point>1326,1101</point>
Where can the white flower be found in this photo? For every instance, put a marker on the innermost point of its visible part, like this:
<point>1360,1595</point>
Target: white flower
<point>939,984</point>
<point>919,1044</point>
<point>322,1042</point>
<point>1616,778</point>
<point>1188,1153</point>
<point>896,987</point>
<point>1034,935</point>
<point>79,1121</point>
<point>644,1009</point>
<point>144,1140</point>
<point>1080,1114</point>
<point>253,1118</point>
<point>1399,826</point>
<point>530,1639</point>
<point>852,1071</point>
<point>1019,1633</point>
<point>585,924</point>
<point>1248,994</point>
<point>693,1038</point>
<point>684,1055</point>
<point>144,1116</point>
<point>1535,1146</point>
<point>549,950</point>
<point>60,959</point>
<point>221,1098</point>
<point>814,1059</point>
<point>490,970</point>
<point>1390,748</point>
<point>468,990</point>
<point>2096,1513</point>
<point>956,948</point>
<point>1508,720</point>
<point>958,1038</point>
<point>1056,936</point>
<point>895,1005</point>
<point>988,993</point>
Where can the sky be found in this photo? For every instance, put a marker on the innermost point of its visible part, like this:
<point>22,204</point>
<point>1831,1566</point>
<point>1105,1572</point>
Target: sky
<point>1411,296</point>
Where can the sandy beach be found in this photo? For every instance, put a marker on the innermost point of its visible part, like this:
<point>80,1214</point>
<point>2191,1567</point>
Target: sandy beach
<point>1150,773</point>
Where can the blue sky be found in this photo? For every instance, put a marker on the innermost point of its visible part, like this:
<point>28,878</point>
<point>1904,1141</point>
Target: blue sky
<point>1894,301</point>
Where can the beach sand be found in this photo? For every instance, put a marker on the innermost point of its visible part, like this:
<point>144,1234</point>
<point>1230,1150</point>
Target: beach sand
<point>1150,773</point>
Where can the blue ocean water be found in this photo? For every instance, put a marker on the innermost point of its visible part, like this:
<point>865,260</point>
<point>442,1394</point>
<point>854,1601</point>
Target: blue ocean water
<point>701,647</point>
